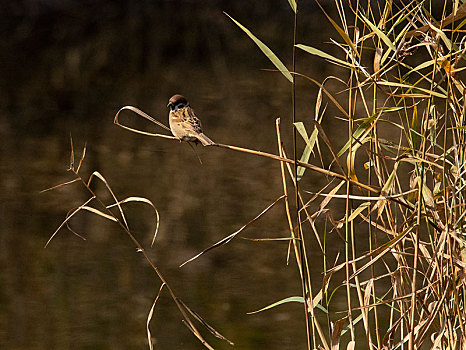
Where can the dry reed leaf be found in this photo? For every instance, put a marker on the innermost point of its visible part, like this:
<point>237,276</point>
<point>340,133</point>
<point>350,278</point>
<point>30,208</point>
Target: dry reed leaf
<point>100,213</point>
<point>428,197</point>
<point>326,200</point>
<point>358,211</point>
<point>453,17</point>
<point>336,333</point>
<point>351,345</point>
<point>234,234</point>
<point>149,317</point>
<point>204,323</point>
<point>69,228</point>
<point>143,200</point>
<point>68,217</point>
<point>101,178</point>
<point>144,115</point>
<point>59,185</point>
<point>436,338</point>
<point>318,104</point>
<point>329,95</point>
<point>269,239</point>
<point>83,155</point>
<point>324,137</point>
<point>340,31</point>
<point>363,198</point>
<point>377,58</point>
<point>197,334</point>
<point>379,252</point>
<point>427,92</point>
<point>367,292</point>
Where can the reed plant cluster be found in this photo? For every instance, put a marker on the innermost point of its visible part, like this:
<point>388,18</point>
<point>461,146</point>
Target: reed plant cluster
<point>400,174</point>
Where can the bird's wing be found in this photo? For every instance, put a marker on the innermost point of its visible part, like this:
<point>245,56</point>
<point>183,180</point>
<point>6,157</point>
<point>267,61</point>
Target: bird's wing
<point>191,121</point>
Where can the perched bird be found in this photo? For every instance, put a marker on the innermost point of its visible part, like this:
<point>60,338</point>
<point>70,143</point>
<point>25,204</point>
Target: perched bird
<point>184,123</point>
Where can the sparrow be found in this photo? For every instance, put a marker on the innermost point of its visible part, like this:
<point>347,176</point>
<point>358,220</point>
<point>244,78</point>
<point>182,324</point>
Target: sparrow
<point>184,124</point>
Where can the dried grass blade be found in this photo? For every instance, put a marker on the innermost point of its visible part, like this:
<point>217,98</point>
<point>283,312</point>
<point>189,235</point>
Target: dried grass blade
<point>149,317</point>
<point>101,178</point>
<point>363,198</point>
<point>197,334</point>
<point>59,185</point>
<point>142,114</point>
<point>377,57</point>
<point>329,95</point>
<point>82,158</point>
<point>116,121</point>
<point>367,292</point>
<point>358,210</point>
<point>388,185</point>
<point>71,153</point>
<point>204,323</point>
<point>340,31</point>
<point>68,217</point>
<point>234,234</point>
<point>324,137</point>
<point>270,239</point>
<point>69,228</point>
<point>411,87</point>
<point>281,153</point>
<point>325,201</point>
<point>100,213</point>
<point>381,251</point>
<point>143,200</point>
<point>336,334</point>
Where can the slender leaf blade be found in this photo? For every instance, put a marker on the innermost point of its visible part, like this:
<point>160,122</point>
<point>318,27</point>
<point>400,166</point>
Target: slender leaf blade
<point>293,5</point>
<point>379,33</point>
<point>270,55</point>
<point>322,54</point>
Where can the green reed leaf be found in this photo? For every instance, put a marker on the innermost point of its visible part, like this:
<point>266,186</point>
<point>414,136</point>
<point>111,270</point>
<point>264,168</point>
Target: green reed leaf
<point>287,300</point>
<point>270,55</point>
<point>358,132</point>
<point>293,5</point>
<point>379,33</point>
<point>317,52</point>
<point>310,143</point>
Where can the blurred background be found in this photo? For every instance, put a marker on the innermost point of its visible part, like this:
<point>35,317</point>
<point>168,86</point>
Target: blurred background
<point>66,67</point>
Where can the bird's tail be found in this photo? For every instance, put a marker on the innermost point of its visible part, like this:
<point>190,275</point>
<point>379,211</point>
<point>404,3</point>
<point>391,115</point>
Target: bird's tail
<point>205,140</point>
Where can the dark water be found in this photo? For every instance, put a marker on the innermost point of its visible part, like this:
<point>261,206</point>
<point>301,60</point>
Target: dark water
<point>66,68</point>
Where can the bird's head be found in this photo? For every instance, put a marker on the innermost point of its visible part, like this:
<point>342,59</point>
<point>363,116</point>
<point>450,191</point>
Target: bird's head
<point>177,102</point>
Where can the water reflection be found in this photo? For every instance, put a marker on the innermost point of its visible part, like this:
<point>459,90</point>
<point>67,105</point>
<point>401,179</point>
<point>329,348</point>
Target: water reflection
<point>69,69</point>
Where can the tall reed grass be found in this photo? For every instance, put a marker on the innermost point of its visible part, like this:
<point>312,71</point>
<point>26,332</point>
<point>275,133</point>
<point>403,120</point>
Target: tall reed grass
<point>401,174</point>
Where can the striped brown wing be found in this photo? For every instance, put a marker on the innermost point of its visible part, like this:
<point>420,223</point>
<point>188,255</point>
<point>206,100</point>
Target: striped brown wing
<point>191,121</point>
